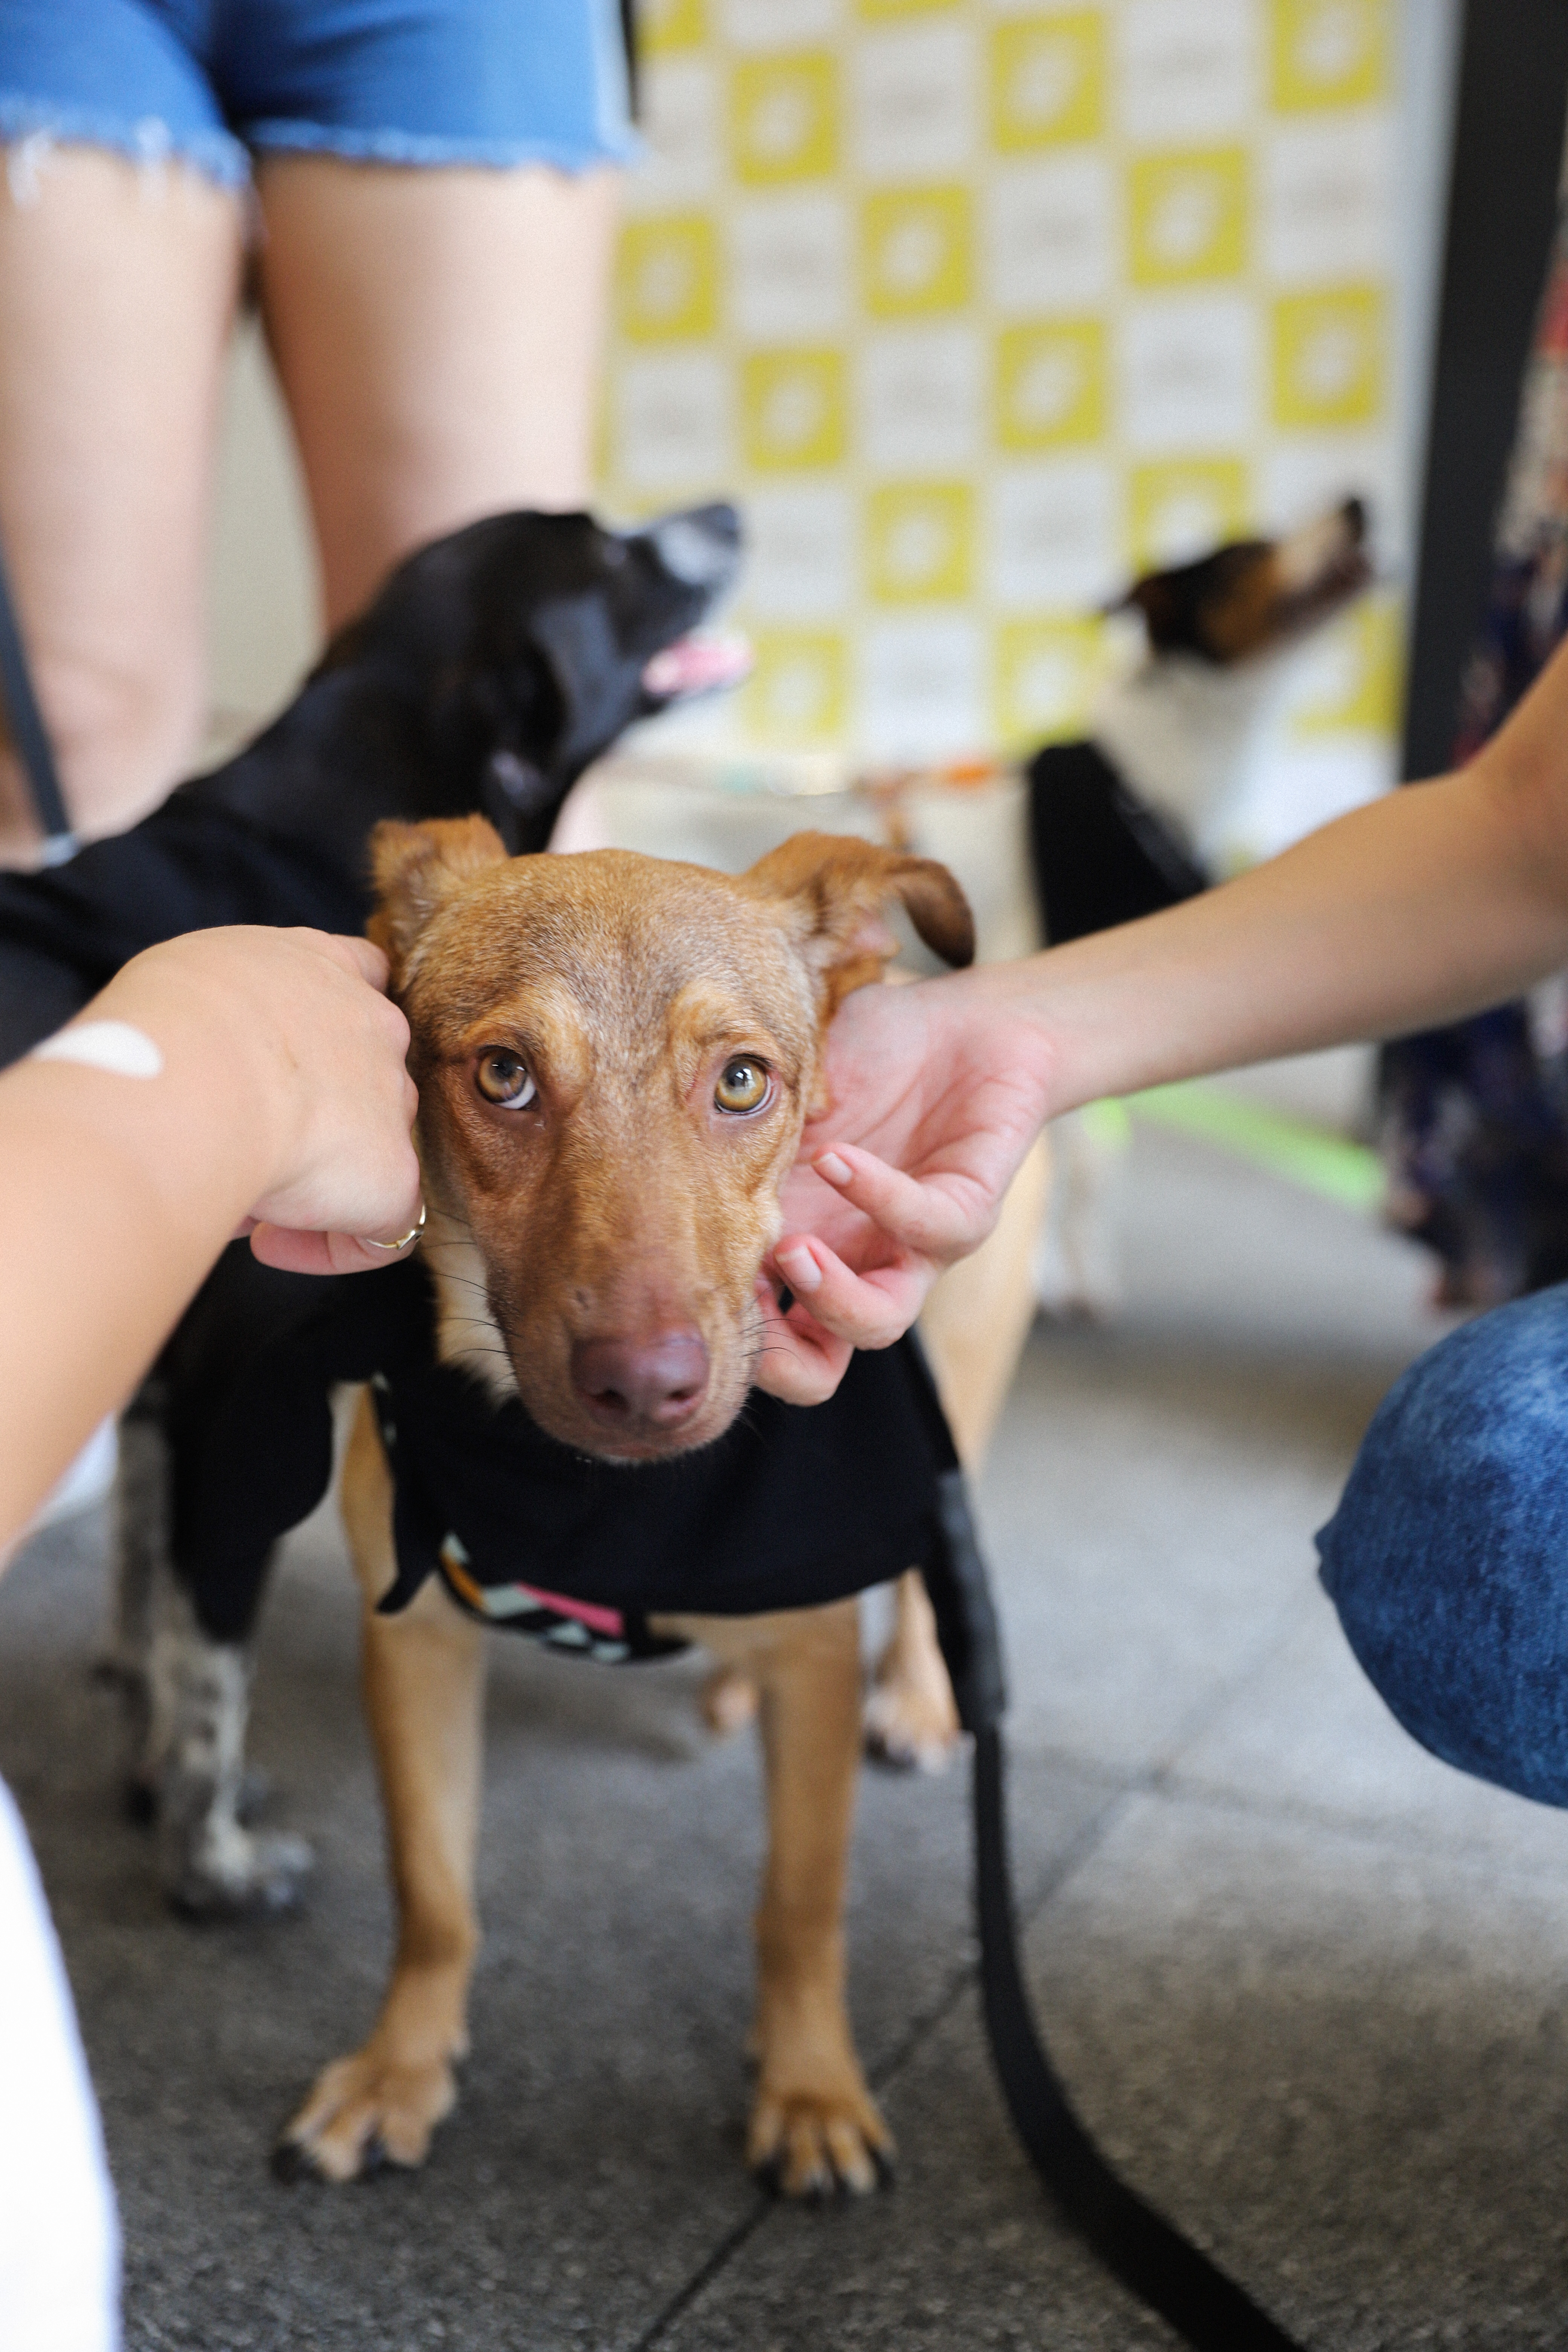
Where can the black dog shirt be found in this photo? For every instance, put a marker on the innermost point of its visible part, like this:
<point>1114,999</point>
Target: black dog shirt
<point>791,1507</point>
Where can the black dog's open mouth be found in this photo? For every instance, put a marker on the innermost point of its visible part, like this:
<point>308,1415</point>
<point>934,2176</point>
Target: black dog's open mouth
<point>706,662</point>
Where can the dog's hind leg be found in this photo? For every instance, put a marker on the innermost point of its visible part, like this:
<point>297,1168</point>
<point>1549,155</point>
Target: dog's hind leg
<point>423,1688</point>
<point>141,1540</point>
<point>910,1715</point>
<point>211,1865</point>
<point>814,2126</point>
<point>974,1327</point>
<point>187,1705</point>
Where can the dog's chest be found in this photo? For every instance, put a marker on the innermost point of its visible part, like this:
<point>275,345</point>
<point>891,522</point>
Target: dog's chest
<point>788,1510</point>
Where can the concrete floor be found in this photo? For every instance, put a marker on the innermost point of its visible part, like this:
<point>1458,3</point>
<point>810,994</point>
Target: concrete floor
<point>1307,1984</point>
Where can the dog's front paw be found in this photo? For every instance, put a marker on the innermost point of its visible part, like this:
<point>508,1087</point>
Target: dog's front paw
<point>364,2112</point>
<point>816,2144</point>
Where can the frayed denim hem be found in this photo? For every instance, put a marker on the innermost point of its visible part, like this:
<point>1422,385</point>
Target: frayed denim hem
<point>429,153</point>
<point>31,126</point>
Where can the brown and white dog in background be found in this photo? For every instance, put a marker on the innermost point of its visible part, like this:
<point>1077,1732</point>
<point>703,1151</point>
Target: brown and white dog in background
<point>1132,817</point>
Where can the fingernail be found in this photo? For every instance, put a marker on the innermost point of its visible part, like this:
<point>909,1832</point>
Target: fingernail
<point>836,1170</point>
<point>799,1268</point>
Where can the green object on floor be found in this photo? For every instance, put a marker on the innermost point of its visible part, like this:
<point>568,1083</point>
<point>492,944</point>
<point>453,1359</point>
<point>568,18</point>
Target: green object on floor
<point>1309,1156</point>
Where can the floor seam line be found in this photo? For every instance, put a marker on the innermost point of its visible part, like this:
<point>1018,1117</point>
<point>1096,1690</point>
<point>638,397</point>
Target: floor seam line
<point>964,1980</point>
<point>702,2277</point>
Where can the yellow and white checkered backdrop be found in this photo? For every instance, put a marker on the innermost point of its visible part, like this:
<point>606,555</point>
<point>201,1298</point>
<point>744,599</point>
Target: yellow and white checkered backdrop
<point>977,306</point>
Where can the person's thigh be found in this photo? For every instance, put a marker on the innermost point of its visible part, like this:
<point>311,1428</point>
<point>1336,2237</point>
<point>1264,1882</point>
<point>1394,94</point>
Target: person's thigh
<point>1448,1557</point>
<point>117,288</point>
<point>437,333</point>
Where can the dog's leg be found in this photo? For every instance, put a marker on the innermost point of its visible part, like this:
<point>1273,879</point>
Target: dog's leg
<point>1077,1270</point>
<point>187,1704</point>
<point>814,2126</point>
<point>211,1866</point>
<point>729,1701</point>
<point>978,1315</point>
<point>975,1326</point>
<point>140,1542</point>
<point>910,1718</point>
<point>423,1688</point>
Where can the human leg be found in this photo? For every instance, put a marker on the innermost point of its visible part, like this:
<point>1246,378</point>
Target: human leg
<point>117,287</point>
<point>1448,1557</point>
<point>436,333</point>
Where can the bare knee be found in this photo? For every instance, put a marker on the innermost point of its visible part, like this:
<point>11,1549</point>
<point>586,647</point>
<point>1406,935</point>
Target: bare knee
<point>119,742</point>
<point>122,732</point>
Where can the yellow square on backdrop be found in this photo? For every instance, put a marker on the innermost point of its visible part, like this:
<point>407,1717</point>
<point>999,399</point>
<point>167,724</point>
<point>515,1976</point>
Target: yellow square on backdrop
<point>664,26</point>
<point>668,270</point>
<point>1050,384</point>
<point>1328,53</point>
<point>794,410</point>
<point>919,541</point>
<point>1047,79</point>
<point>1329,356</point>
<point>1180,508</point>
<point>784,118</point>
<point>1188,215</point>
<point>1363,675</point>
<point>1046,672</point>
<point>917,251</point>
<point>795,693</point>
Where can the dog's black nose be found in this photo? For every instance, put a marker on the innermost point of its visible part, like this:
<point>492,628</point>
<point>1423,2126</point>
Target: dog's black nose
<point>658,1382</point>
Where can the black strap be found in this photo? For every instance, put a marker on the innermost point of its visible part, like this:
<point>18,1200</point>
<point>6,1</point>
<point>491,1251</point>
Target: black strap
<point>634,59</point>
<point>28,735</point>
<point>1135,2243</point>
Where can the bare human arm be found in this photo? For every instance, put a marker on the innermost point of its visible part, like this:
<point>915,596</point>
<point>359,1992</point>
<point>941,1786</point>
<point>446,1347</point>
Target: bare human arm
<point>281,1104</point>
<point>1426,905</point>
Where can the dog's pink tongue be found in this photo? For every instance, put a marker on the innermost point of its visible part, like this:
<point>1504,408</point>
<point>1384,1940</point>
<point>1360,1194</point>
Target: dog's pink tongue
<point>698,665</point>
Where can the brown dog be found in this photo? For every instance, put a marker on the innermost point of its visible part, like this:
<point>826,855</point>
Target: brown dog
<point>614,1056</point>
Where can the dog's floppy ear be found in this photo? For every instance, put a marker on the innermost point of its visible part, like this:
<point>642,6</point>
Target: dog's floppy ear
<point>835,887</point>
<point>413,867</point>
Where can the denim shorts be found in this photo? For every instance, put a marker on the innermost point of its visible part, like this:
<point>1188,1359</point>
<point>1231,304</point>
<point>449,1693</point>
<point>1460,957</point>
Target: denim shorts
<point>211,82</point>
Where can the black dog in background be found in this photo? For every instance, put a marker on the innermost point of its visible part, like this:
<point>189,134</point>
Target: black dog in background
<point>492,667</point>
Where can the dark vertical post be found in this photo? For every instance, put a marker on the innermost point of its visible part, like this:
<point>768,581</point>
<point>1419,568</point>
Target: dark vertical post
<point>1503,197</point>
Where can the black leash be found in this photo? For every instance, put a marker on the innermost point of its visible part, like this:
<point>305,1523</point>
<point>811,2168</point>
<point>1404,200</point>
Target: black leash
<point>1135,2243</point>
<point>29,736</point>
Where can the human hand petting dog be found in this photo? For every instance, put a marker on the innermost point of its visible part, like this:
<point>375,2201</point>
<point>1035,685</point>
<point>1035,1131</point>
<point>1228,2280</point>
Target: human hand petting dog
<point>297,1027</point>
<point>936,1092</point>
<point>1417,909</point>
<point>240,1079</point>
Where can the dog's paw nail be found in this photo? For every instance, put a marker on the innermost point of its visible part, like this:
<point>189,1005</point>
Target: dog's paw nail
<point>292,2163</point>
<point>374,2158</point>
<point>886,2167</point>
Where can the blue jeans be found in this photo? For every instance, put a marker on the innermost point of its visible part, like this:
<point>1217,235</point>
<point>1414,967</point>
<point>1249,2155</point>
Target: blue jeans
<point>496,82</point>
<point>1448,1557</point>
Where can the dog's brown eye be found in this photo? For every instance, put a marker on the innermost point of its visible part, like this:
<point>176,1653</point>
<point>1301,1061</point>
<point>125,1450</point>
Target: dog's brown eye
<point>743,1085</point>
<point>503,1080</point>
